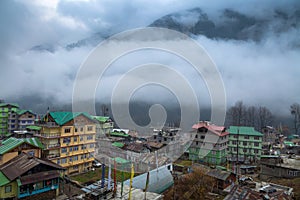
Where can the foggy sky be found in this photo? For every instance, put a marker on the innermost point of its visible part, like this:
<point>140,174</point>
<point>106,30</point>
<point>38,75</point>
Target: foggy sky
<point>260,73</point>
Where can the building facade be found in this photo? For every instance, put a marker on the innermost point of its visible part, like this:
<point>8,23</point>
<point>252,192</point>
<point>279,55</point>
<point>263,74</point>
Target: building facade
<point>244,143</point>
<point>69,140</point>
<point>30,178</point>
<point>14,119</point>
<point>8,118</point>
<point>210,143</point>
<point>104,126</point>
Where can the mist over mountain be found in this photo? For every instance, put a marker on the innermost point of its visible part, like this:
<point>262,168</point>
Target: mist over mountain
<point>255,46</point>
<point>230,24</point>
<point>226,24</point>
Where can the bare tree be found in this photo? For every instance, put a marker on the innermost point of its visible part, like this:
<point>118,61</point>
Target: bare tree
<point>295,110</point>
<point>252,116</point>
<point>265,117</point>
<point>237,114</point>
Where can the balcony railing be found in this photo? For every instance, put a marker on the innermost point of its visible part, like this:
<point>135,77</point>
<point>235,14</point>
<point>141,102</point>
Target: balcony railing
<point>55,135</point>
<point>50,146</point>
<point>53,156</point>
<point>26,192</point>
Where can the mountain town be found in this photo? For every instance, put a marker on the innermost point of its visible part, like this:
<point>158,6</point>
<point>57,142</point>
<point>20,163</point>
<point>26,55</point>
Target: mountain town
<point>149,100</point>
<point>66,155</point>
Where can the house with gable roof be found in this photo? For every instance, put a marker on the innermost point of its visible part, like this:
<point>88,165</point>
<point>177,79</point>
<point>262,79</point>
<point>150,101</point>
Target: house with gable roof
<point>209,144</point>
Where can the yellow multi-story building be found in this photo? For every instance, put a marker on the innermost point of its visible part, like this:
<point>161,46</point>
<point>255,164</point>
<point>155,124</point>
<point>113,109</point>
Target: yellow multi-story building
<point>69,140</point>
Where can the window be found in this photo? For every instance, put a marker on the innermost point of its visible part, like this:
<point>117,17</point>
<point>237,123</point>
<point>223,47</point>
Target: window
<point>66,140</point>
<point>245,150</point>
<point>196,136</point>
<point>235,136</point>
<point>256,144</point>
<point>90,137</point>
<point>75,167</point>
<point>58,161</point>
<point>90,128</point>
<point>245,143</point>
<point>83,146</point>
<point>67,130</point>
<point>76,130</point>
<point>81,138</point>
<point>202,137</point>
<point>91,145</point>
<point>234,142</point>
<point>165,139</point>
<point>154,137</point>
<point>70,159</point>
<point>75,148</point>
<point>75,139</point>
<point>246,136</point>
<point>75,158</point>
<point>8,188</point>
<point>63,160</point>
<point>31,153</point>
<point>255,150</point>
<point>64,150</point>
<point>256,138</point>
<point>70,149</point>
<point>81,129</point>
<point>196,142</point>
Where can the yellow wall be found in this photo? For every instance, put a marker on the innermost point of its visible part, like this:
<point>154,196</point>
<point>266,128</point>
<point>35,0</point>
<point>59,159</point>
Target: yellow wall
<point>8,156</point>
<point>13,193</point>
<point>78,132</point>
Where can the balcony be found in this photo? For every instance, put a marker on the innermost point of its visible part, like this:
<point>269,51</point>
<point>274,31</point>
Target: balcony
<point>55,135</point>
<point>52,156</point>
<point>51,146</point>
<point>26,192</point>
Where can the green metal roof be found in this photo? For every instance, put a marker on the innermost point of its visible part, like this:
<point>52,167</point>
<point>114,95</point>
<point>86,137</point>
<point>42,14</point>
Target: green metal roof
<point>101,119</point>
<point>63,117</point>
<point>35,128</point>
<point>118,144</point>
<point>21,112</point>
<point>119,134</point>
<point>3,179</point>
<point>289,143</point>
<point>12,143</point>
<point>9,104</point>
<point>121,160</point>
<point>243,130</point>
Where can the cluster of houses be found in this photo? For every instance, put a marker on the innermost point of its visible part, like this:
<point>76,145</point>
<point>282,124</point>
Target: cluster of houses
<point>43,150</point>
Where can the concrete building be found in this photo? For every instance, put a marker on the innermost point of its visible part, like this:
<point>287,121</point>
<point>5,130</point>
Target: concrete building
<point>270,135</point>
<point>210,143</point>
<point>104,126</point>
<point>278,166</point>
<point>69,140</point>
<point>8,118</point>
<point>244,143</point>
<point>14,119</point>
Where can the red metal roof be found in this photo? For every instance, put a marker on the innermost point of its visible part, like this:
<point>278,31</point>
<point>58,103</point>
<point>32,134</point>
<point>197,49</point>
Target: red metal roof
<point>218,130</point>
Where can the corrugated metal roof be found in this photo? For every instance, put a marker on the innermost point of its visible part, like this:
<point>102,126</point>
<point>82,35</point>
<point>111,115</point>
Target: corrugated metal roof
<point>244,130</point>
<point>63,117</point>
<point>101,118</point>
<point>35,128</point>
<point>118,144</point>
<point>3,179</point>
<point>21,112</point>
<point>159,180</point>
<point>23,163</point>
<point>12,143</point>
<point>9,104</point>
<point>219,174</point>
